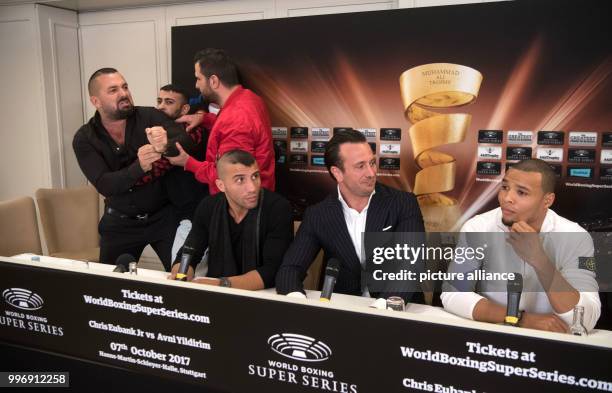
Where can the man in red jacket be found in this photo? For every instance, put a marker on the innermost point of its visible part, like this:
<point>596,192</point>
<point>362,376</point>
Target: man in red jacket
<point>242,123</point>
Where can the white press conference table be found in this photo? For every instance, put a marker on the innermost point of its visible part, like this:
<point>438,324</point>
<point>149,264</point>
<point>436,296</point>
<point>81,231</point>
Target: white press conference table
<point>417,312</point>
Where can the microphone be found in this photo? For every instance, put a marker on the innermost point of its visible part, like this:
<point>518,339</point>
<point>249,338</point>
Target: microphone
<point>515,287</point>
<point>123,262</point>
<point>331,274</point>
<point>186,255</point>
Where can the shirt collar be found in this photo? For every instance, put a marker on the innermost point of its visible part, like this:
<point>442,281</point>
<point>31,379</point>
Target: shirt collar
<point>548,223</point>
<point>346,207</point>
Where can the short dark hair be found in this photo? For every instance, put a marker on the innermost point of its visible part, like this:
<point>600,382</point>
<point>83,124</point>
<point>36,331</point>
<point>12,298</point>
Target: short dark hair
<point>217,62</point>
<point>332,149</point>
<point>233,157</point>
<point>177,89</point>
<point>549,179</point>
<point>95,75</point>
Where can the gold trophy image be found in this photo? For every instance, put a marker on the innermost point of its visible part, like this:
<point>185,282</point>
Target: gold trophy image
<point>425,88</point>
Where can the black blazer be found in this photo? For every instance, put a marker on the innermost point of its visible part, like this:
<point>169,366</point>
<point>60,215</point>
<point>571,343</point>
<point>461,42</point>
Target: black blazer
<point>324,227</point>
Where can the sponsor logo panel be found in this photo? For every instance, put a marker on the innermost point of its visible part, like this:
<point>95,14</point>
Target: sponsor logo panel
<point>606,157</point>
<point>488,168</point>
<point>490,136</point>
<point>520,137</point>
<point>581,156</point>
<point>317,160</point>
<point>489,152</point>
<point>391,149</point>
<point>518,153</point>
<point>551,137</point>
<point>390,134</point>
<point>299,132</point>
<point>299,146</point>
<point>298,159</point>
<point>605,173</point>
<point>279,132</point>
<point>580,138</point>
<point>318,146</point>
<point>391,164</point>
<point>320,133</point>
<point>550,154</point>
<point>580,172</point>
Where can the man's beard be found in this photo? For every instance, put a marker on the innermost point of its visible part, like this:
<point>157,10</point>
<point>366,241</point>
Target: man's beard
<point>209,96</point>
<point>508,223</point>
<point>174,115</point>
<point>121,114</point>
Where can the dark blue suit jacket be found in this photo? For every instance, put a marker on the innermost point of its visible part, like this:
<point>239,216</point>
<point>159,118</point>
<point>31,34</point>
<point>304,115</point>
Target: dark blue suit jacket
<point>324,228</point>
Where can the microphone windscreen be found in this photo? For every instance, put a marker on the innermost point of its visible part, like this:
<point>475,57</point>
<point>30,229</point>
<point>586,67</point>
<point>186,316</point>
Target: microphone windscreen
<point>515,285</point>
<point>333,268</point>
<point>125,260</point>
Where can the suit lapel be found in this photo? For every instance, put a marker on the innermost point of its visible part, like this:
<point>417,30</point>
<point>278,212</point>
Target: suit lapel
<point>346,249</point>
<point>377,211</point>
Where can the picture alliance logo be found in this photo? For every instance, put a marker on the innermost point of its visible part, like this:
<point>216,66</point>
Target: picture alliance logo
<point>299,347</point>
<point>23,299</point>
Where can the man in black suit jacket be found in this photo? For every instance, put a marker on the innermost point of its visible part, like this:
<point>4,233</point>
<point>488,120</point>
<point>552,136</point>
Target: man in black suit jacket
<point>360,204</point>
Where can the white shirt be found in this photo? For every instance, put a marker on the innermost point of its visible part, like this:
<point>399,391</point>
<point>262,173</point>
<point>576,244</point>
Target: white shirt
<point>563,254</point>
<point>355,224</point>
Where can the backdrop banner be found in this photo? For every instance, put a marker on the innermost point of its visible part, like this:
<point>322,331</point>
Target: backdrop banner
<point>448,97</point>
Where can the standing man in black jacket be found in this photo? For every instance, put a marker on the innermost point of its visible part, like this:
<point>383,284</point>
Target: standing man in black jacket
<point>336,224</point>
<point>245,227</point>
<point>184,191</point>
<point>114,154</point>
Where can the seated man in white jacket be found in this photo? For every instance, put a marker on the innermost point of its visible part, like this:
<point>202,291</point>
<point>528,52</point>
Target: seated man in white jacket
<point>552,263</point>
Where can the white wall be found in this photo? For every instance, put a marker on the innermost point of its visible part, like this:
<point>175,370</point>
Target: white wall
<point>132,41</point>
<point>62,85</point>
<point>41,102</point>
<point>24,151</point>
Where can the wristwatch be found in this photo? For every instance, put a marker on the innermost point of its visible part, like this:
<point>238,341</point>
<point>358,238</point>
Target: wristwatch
<point>225,282</point>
